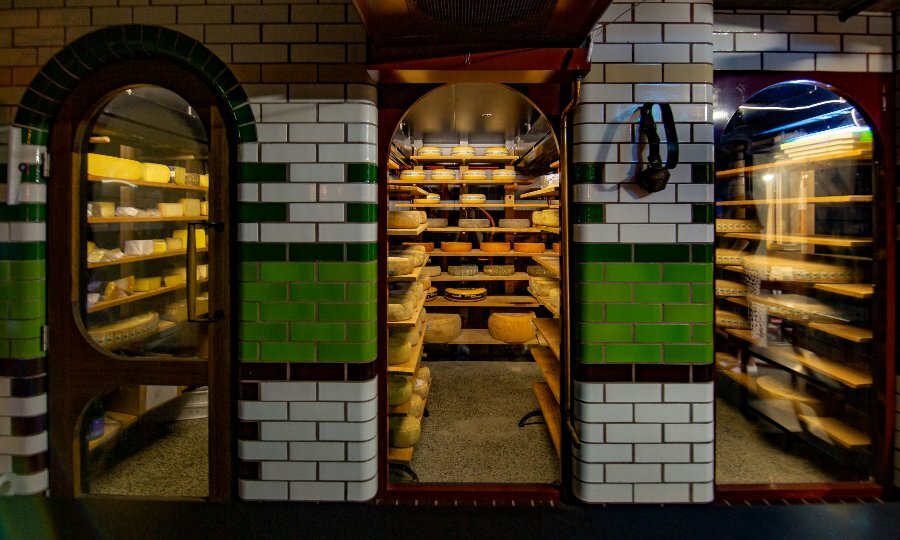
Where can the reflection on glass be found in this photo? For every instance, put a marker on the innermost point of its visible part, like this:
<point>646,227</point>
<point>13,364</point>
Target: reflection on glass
<point>794,281</point>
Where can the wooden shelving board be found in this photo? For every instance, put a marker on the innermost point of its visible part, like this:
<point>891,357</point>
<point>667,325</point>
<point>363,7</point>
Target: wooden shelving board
<point>741,333</point>
<point>410,321</point>
<point>464,160</point>
<point>550,410</point>
<point>817,240</point>
<point>413,276</point>
<point>545,228</point>
<point>490,301</point>
<point>839,372</point>
<point>833,430</point>
<point>453,182</point>
<point>471,205</point>
<point>141,258</point>
<point>855,290</point>
<point>852,154</point>
<point>479,253</point>
<point>484,229</point>
<point>827,199</point>
<point>141,183</point>
<point>480,336</point>
<point>113,425</point>
<point>732,268</point>
<point>408,232</point>
<point>549,331</point>
<point>410,189</point>
<point>400,455</point>
<point>415,356</point>
<point>549,365</point>
<point>843,331</point>
<point>741,378</point>
<point>160,219</point>
<point>137,297</point>
<point>550,263</point>
<point>543,192</point>
<point>516,276</point>
<point>543,301</point>
<point>739,300</point>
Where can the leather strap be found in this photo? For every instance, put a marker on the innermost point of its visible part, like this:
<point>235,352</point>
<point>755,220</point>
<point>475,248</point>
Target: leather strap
<point>648,129</point>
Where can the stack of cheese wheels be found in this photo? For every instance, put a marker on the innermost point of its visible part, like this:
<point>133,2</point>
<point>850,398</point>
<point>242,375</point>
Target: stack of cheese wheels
<point>399,389</point>
<point>416,254</point>
<point>794,306</point>
<point>472,198</point>
<point>410,334</point>
<point>442,327</point>
<point>398,312</point>
<point>416,406</point>
<point>499,269</point>
<point>464,270</point>
<point>729,256</point>
<point>727,319</point>
<point>494,247</point>
<point>503,175</point>
<point>412,175</point>
<point>737,225</point>
<point>456,247</point>
<point>730,288</point>
<point>537,217</point>
<point>550,217</point>
<point>436,223</point>
<point>474,223</point>
<point>496,151</point>
<point>421,383</point>
<point>474,175</point>
<point>509,223</point>
<point>399,347</point>
<point>511,327</point>
<point>529,247</point>
<point>402,220</point>
<point>443,174</point>
<point>772,388</point>
<point>429,151</point>
<point>465,294</point>
<point>462,151</point>
<point>405,431</point>
<point>785,269</point>
<point>425,281</point>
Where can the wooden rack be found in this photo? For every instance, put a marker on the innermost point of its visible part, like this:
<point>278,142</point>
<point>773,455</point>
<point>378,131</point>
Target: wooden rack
<point>464,160</point>
<point>550,263</point>
<point>523,230</point>
<point>407,323</point>
<point>490,301</point>
<point>408,232</point>
<point>479,336</point>
<point>129,259</point>
<point>137,297</point>
<point>852,154</point>
<point>531,205</point>
<point>479,253</point>
<point>818,240</point>
<point>140,183</point>
<point>412,276</point>
<point>830,199</point>
<point>543,192</point>
<point>544,302</point>
<point>155,219</point>
<point>516,276</point>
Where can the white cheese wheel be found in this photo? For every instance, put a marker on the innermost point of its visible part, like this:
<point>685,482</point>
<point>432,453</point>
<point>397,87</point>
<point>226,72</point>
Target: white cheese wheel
<point>499,269</point>
<point>172,209</point>
<point>436,223</point>
<point>411,335</point>
<point>405,431</point>
<point>508,223</point>
<point>191,207</point>
<point>511,327</point>
<point>431,271</point>
<point>402,220</point>
<point>399,266</point>
<point>399,389</point>
<point>416,406</point>
<point>541,285</point>
<point>417,258</point>
<point>537,270</point>
<point>442,327</point>
<point>398,312</point>
<point>399,349</point>
<point>474,223</point>
<point>465,270</point>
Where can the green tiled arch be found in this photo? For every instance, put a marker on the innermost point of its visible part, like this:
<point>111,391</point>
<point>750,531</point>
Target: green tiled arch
<point>42,98</point>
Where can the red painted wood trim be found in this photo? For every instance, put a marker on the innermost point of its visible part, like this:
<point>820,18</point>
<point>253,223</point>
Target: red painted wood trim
<point>735,493</point>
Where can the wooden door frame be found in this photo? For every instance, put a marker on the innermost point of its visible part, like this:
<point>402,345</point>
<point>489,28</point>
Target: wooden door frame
<point>77,369</point>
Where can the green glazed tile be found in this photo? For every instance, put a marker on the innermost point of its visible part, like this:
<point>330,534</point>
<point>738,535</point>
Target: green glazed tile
<point>262,172</point>
<point>703,213</point>
<point>688,272</point>
<point>248,352</point>
<point>702,173</point>
<point>588,312</point>
<point>348,271</point>
<point>603,253</point>
<point>28,309</point>
<point>589,213</point>
<point>626,353</point>
<point>287,352</point>
<point>605,332</point>
<point>247,133</point>
<point>262,251</point>
<point>362,292</point>
<point>16,329</point>
<point>662,333</point>
<point>633,313</point>
<point>28,290</point>
<point>4,348</point>
<point>588,353</point>
<point>632,272</point>
<point>662,253</point>
<point>603,292</point>
<point>688,354</point>
<point>588,272</point>
<point>24,212</point>
<point>257,212</point>
<point>362,331</point>
<point>702,333</point>
<point>248,311</point>
<point>347,352</point>
<point>347,312</point>
<point>249,271</point>
<point>362,252</point>
<point>23,251</point>
<point>702,253</point>
<point>702,293</point>
<point>286,311</point>
<point>688,313</point>
<point>26,348</point>
<point>322,292</point>
<point>317,332</point>
<point>257,331</point>
<point>244,115</point>
<point>4,270</point>
<point>362,213</point>
<point>287,271</point>
<point>588,173</point>
<point>660,293</point>
<point>312,252</point>
<point>27,269</point>
<point>361,172</point>
<point>262,292</point>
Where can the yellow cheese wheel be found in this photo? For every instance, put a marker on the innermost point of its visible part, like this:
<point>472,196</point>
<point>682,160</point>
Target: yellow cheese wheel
<point>429,151</point>
<point>551,218</point>
<point>103,209</point>
<point>412,175</point>
<point>191,207</point>
<point>399,350</point>
<point>176,175</point>
<point>496,151</point>
<point>417,258</point>
<point>529,247</point>
<point>154,172</point>
<point>398,312</point>
<point>456,247</point>
<point>537,217</point>
<point>423,373</point>
<point>472,198</point>
<point>423,216</point>
<point>410,335</point>
<point>125,331</point>
<point>176,311</point>
<point>511,327</point>
<point>431,271</point>
<point>474,175</point>
<point>442,327</point>
<point>402,220</point>
<point>399,266</point>
<point>541,285</point>
<point>429,246</point>
<point>503,174</point>
<point>204,180</point>
<point>443,174</point>
<point>399,389</point>
<point>462,151</point>
<point>405,431</point>
<point>425,281</point>
<point>171,209</point>
<point>113,167</point>
<point>147,284</point>
<point>494,247</point>
<point>465,294</point>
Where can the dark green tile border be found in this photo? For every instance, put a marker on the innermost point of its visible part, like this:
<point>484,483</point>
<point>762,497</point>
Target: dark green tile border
<point>259,212</point>
<point>23,212</point>
<point>307,252</point>
<point>702,173</point>
<point>662,253</point>
<point>362,212</point>
<point>703,213</point>
<point>23,251</point>
<point>362,172</point>
<point>262,172</point>
<point>589,212</point>
<point>588,173</point>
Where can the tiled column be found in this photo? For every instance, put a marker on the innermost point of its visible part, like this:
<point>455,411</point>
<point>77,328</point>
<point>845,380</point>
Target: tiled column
<point>642,271</point>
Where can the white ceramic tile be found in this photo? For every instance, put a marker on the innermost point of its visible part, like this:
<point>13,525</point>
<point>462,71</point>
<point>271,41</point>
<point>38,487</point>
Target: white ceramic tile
<point>727,22</point>
<point>318,172</point>
<point>646,234</point>
<point>627,213</point>
<point>789,23</point>
<point>688,472</point>
<point>588,472</point>
<point>703,452</point>
<point>590,392</point>
<point>362,133</point>
<point>287,431</point>
<point>316,212</point>
<point>662,92</point>
<point>312,410</point>
<point>362,491</point>
<point>287,470</point>
<point>27,232</point>
<point>662,453</point>
<point>5,426</point>
<point>617,12</point>
<point>623,112</point>
<point>591,433</point>
<point>248,152</point>
<point>703,12</point>
<point>364,113</point>
<point>880,24</point>
<point>348,391</point>
<point>271,132</point>
<point>662,412</point>
<point>696,112</point>
<point>278,192</point>
<point>662,493</point>
<point>688,432</point>
<point>316,451</point>
<point>23,406</point>
<point>317,491</point>
<point>604,453</point>
<point>287,153</point>
<point>262,450</point>
<point>5,461</point>
<point>789,61</point>
<point>347,431</point>
<point>815,43</point>
<point>702,493</point>
<point>723,41</point>
<point>600,413</point>
<point>736,60</point>
<point>27,445</point>
<point>595,233</point>
<point>670,213</point>
<point>649,12</point>
<point>354,471</point>
<point>632,473</point>
<point>596,153</point>
<point>605,93</point>
<point>702,53</point>
<point>355,192</point>
<point>760,42</point>
<point>30,192</point>
<point>288,112</point>
<point>633,393</point>
<point>702,193</point>
<point>348,232</point>
<point>682,174</point>
<point>248,232</point>
<point>620,172</point>
<point>633,33</point>
<point>696,232</point>
<point>287,391</point>
<point>611,52</point>
<point>880,63</point>
<point>634,433</point>
<point>266,93</point>
<point>317,133</point>
<point>688,33</point>
<point>603,133</point>
<point>702,133</point>
<point>362,411</point>
<point>248,192</point>
<point>633,193</point>
<point>362,451</point>
<point>603,493</point>
<point>831,24</point>
<point>688,392</point>
<point>257,490</point>
<point>702,412</point>
<point>588,113</point>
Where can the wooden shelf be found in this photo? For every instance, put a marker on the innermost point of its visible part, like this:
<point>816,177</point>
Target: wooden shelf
<point>852,154</point>
<point>741,333</point>
<point>543,192</point>
<point>545,228</point>
<point>739,300</point>
<point>464,160</point>
<point>848,376</point>
<point>471,205</point>
<point>406,189</point>
<point>114,424</point>
<point>834,241</point>
<point>548,329</point>
<point>409,367</point>
<point>140,183</point>
<point>480,336</point>
<point>732,268</point>
<point>833,430</point>
<point>400,455</point>
<point>516,276</point>
<point>453,182</point>
<point>141,258</point>
<point>101,220</point>
<point>479,253</point>
<point>855,290</point>
<point>544,302</point>
<point>827,199</point>
<point>408,232</point>
<point>137,297</point>
<point>741,378</point>
<point>410,321</point>
<point>843,331</point>
<point>413,276</point>
<point>550,263</point>
<point>490,301</point>
<point>484,229</point>
<point>549,365</point>
<point>550,411</point>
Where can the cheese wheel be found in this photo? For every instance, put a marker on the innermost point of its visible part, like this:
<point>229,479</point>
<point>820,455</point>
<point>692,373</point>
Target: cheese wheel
<point>730,288</point>
<point>529,247</point>
<point>154,173</point>
<point>399,389</point>
<point>537,270</point>
<point>174,244</point>
<point>555,247</point>
<point>423,216</point>
<point>541,285</point>
<point>496,151</point>
<point>436,223</point>
<point>727,319</point>
<point>402,220</point>
<point>508,223</point>
<point>176,175</point>
<point>551,218</point>
<point>737,225</point>
<point>427,246</point>
<point>405,431</point>
<point>417,257</point>
<point>474,223</point>
<point>511,327</point>
<point>443,174</point>
<point>429,151</point>
<point>412,175</point>
<point>407,300</point>
<point>503,174</point>
<point>113,167</point>
<point>411,335</point>
<point>191,207</point>
<point>456,247</point>
<point>398,312</point>
<point>423,373</point>
<point>399,349</point>
<point>399,266</point>
<point>204,180</point>
<point>462,151</point>
<point>472,198</point>
<point>494,247</point>
<point>416,406</point>
<point>463,270</point>
<point>465,294</point>
<point>769,387</point>
<point>431,271</point>
<point>537,217</point>
<point>431,293</point>
<point>176,311</point>
<point>442,327</point>
<point>425,281</point>
<point>429,199</point>
<point>123,332</point>
<point>421,387</point>
<point>474,175</point>
<point>171,209</point>
<point>499,270</point>
<point>159,246</point>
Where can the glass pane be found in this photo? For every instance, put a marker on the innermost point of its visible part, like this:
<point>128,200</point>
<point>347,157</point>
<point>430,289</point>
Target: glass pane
<point>144,182</point>
<point>794,288</point>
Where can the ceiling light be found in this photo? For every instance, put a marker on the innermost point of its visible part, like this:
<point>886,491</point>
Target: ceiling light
<point>486,115</point>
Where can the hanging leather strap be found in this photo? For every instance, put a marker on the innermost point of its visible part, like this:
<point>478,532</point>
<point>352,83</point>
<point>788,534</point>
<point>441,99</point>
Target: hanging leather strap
<point>648,129</point>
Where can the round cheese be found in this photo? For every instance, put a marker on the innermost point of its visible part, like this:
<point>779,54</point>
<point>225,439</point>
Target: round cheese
<point>472,198</point>
<point>405,431</point>
<point>496,151</point>
<point>423,216</point>
<point>529,247</point>
<point>456,247</point>
<point>425,281</point>
<point>399,389</point>
<point>398,312</point>
<point>511,327</point>
<point>499,269</point>
<point>412,175</point>
<point>494,247</point>
<point>555,247</point>
<point>462,151</point>
<point>503,175</point>
<point>474,175</point>
<point>537,270</point>
<point>429,199</point>
<point>465,270</point>
<point>402,220</point>
<point>411,335</point>
<point>417,257</point>
<point>399,349</point>
<point>474,223</point>
<point>436,223</point>
<point>442,327</point>
<point>443,174</point>
<point>421,387</point>
<point>431,293</point>
<point>428,246</point>
<point>416,406</point>
<point>541,286</point>
<point>431,271</point>
<point>537,217</point>
<point>429,151</point>
<point>465,294</point>
<point>423,373</point>
<point>399,266</point>
<point>508,223</point>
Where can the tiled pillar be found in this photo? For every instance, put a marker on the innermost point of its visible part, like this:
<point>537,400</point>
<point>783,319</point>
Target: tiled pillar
<point>642,270</point>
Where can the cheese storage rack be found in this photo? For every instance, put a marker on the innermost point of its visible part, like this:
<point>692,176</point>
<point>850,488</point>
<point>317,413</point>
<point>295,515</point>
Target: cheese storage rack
<point>796,275</point>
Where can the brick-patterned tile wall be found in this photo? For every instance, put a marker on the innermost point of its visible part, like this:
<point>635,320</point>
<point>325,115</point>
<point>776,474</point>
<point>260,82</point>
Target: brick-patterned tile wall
<point>793,40</point>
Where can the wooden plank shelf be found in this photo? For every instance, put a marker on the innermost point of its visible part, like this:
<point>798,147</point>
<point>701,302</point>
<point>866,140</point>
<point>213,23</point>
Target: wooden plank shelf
<point>825,199</point>
<point>410,190</point>
<point>415,356</point>
<point>137,297</point>
<point>548,330</point>
<point>448,205</point>
<point>855,290</point>
<point>544,302</point>
<point>114,423</point>
<point>843,331</point>
<point>464,160</point>
<point>847,376</point>
<point>141,183</point>
<point>739,300</point>
<point>480,336</point>
<point>453,182</point>
<point>484,229</point>
<point>549,365</point>
<point>490,301</point>
<point>550,410</point>
<point>741,333</point>
<point>413,276</point>
<point>141,258</point>
<point>516,276</point>
<point>408,232</point>
<point>479,253</point>
<point>550,263</point>
<point>406,323</point>
<point>852,154</point>
<point>545,228</point>
<point>156,219</point>
<point>834,431</point>
<point>543,192</point>
<point>741,378</point>
<point>817,240</point>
